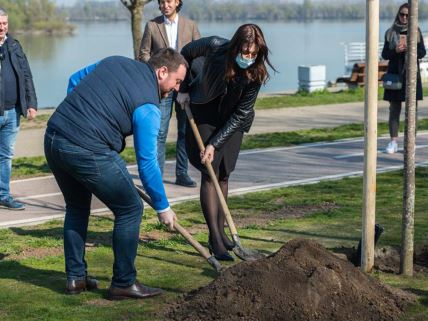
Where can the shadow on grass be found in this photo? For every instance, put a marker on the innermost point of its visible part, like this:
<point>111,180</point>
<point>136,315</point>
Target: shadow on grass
<point>49,279</point>
<point>422,294</point>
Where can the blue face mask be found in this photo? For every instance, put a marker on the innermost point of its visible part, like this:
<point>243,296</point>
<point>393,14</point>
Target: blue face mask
<point>244,63</point>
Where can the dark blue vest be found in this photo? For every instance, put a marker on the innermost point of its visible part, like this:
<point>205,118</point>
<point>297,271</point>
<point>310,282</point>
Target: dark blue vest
<point>97,114</point>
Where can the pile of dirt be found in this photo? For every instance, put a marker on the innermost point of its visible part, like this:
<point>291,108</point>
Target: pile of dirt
<point>301,282</point>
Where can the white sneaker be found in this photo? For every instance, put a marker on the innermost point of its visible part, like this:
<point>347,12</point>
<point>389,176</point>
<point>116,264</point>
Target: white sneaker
<point>392,147</point>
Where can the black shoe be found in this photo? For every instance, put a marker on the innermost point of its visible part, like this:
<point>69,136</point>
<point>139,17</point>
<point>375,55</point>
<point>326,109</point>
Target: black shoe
<point>185,180</point>
<point>135,291</point>
<point>224,257</point>
<point>221,257</point>
<point>78,286</point>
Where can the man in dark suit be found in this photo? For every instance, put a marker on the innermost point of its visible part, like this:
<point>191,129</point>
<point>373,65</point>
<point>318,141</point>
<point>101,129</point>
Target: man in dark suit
<point>170,30</point>
<point>17,98</point>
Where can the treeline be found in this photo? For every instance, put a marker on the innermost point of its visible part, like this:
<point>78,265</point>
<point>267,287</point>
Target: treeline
<point>95,10</point>
<point>229,10</point>
<point>35,16</point>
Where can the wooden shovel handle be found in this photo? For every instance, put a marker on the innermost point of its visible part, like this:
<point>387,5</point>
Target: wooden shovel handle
<point>211,172</point>
<point>198,247</point>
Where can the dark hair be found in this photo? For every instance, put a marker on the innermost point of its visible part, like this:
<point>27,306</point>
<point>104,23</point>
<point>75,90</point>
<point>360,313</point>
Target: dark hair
<point>3,12</point>
<point>245,36</point>
<point>180,4</point>
<point>397,16</point>
<point>169,58</point>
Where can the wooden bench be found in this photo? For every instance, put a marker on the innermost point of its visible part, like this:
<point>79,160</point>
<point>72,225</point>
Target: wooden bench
<point>356,79</point>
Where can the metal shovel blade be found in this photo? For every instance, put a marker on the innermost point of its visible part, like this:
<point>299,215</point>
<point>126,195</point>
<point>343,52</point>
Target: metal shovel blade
<point>215,264</point>
<point>243,253</point>
<point>247,254</point>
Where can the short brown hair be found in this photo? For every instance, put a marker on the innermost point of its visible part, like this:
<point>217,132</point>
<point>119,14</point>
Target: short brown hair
<point>169,58</point>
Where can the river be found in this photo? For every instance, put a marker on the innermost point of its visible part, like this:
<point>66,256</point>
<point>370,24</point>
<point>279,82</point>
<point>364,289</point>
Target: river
<point>54,58</point>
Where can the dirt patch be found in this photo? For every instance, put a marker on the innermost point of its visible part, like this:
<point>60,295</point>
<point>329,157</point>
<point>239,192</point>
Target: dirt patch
<point>244,219</point>
<point>387,259</point>
<point>37,252</point>
<point>155,235</point>
<point>301,282</point>
<point>100,303</point>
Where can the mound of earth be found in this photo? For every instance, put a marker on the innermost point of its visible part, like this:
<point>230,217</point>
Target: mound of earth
<point>301,282</point>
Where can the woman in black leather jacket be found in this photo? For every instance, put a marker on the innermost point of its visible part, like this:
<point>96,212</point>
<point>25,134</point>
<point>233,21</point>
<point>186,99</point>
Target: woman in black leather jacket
<point>222,88</point>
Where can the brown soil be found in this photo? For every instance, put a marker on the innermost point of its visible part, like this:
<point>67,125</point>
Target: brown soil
<point>387,259</point>
<point>301,282</point>
<point>37,252</point>
<point>246,218</point>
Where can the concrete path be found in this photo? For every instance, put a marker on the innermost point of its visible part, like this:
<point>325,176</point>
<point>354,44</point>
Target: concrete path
<point>30,141</point>
<point>256,170</point>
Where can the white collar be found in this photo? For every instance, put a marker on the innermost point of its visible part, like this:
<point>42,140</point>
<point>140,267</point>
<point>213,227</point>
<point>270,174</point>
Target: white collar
<point>4,40</point>
<point>169,22</point>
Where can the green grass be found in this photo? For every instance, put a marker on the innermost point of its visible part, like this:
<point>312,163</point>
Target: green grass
<point>32,284</point>
<point>323,97</point>
<point>37,166</point>
<point>302,98</point>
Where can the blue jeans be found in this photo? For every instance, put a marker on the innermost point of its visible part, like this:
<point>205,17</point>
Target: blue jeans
<point>9,127</point>
<point>79,174</point>
<point>181,165</point>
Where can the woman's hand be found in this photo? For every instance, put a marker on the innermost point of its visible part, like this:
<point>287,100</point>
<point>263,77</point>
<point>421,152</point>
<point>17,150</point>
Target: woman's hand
<point>208,154</point>
<point>183,99</point>
<point>401,48</point>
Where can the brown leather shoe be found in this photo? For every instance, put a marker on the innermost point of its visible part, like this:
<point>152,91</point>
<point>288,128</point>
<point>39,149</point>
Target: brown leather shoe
<point>78,286</point>
<point>135,291</point>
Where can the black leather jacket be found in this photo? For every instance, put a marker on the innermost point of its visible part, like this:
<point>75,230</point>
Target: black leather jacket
<point>208,83</point>
<point>27,94</point>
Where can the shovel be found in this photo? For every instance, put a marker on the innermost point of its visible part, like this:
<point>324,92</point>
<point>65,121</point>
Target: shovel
<point>198,247</point>
<point>241,252</point>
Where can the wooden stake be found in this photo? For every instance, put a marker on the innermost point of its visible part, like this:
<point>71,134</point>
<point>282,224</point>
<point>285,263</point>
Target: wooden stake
<point>370,125</point>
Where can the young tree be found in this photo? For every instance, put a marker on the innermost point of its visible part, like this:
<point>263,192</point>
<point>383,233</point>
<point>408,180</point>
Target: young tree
<point>136,8</point>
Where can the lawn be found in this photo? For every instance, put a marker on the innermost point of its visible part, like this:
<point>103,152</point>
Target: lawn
<point>32,267</point>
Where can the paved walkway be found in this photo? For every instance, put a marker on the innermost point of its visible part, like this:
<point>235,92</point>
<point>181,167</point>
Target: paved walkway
<point>281,166</point>
<point>30,141</point>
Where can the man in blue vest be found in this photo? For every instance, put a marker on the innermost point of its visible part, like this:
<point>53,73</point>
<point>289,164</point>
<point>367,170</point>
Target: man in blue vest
<point>106,102</point>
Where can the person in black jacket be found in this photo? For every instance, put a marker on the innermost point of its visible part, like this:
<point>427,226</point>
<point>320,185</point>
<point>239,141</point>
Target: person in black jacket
<point>222,95</point>
<point>17,97</point>
<point>394,50</point>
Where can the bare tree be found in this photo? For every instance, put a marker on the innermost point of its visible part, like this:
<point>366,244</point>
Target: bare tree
<point>136,8</point>
<point>407,237</point>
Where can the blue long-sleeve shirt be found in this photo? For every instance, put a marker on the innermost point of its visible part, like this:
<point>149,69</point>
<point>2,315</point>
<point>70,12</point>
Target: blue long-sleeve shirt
<point>145,128</point>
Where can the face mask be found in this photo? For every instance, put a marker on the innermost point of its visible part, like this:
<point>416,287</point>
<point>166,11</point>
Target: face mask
<point>244,63</point>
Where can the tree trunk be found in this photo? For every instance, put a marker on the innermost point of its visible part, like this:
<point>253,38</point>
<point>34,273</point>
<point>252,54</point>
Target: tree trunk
<point>370,139</point>
<point>136,20</point>
<point>136,8</point>
<point>406,262</point>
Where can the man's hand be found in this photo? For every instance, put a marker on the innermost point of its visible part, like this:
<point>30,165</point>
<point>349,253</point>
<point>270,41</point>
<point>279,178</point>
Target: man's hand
<point>208,154</point>
<point>168,218</point>
<point>31,113</point>
<point>183,99</point>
